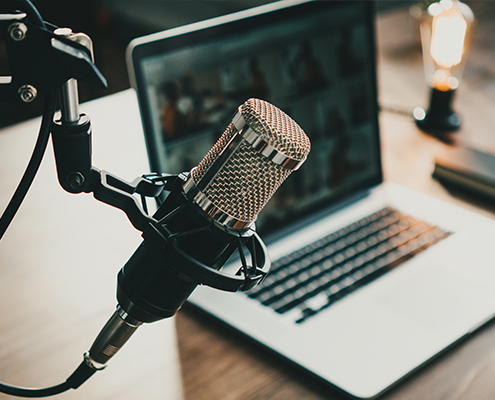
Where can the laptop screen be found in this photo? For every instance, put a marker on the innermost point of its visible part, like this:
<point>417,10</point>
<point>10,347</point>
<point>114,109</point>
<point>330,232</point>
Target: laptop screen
<point>313,60</point>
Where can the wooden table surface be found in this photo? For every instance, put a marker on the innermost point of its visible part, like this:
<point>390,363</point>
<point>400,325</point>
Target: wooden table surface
<point>218,364</point>
<point>59,260</point>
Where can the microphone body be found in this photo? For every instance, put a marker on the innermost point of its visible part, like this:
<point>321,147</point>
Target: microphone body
<point>214,210</point>
<point>208,215</point>
<point>153,285</point>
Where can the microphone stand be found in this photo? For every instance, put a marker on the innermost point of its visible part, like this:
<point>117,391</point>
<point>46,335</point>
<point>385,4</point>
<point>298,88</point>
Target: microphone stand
<point>63,58</point>
<point>72,145</point>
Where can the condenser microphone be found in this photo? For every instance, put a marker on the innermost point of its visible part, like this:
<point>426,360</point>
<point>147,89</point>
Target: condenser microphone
<point>256,153</point>
<point>208,215</point>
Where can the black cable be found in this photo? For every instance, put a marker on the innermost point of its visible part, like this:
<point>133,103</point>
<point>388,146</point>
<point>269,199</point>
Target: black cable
<point>33,165</point>
<point>27,392</point>
<point>41,143</point>
<point>33,14</point>
<point>84,371</point>
<point>80,375</point>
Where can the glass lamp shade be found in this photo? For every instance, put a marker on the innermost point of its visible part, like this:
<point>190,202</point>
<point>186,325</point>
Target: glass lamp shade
<point>446,29</point>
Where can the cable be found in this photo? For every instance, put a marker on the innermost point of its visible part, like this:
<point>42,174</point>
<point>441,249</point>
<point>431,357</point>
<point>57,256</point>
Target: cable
<point>41,143</point>
<point>32,12</point>
<point>26,392</point>
<point>33,165</point>
<point>83,372</point>
<point>80,375</point>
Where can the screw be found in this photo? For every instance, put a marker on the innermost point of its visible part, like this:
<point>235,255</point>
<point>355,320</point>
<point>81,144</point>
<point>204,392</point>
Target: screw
<point>75,180</point>
<point>27,93</point>
<point>18,31</point>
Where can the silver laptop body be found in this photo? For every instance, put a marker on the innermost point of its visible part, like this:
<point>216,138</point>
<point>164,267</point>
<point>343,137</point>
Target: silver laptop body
<point>316,61</point>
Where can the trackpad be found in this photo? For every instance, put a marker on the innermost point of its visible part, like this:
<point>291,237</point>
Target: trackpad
<point>436,300</point>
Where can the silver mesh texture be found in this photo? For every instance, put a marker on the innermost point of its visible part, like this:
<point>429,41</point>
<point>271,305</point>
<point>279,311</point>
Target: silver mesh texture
<point>220,145</point>
<point>276,128</point>
<point>247,179</point>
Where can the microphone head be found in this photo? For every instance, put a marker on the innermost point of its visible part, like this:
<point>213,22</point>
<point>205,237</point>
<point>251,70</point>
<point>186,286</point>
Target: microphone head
<point>241,172</point>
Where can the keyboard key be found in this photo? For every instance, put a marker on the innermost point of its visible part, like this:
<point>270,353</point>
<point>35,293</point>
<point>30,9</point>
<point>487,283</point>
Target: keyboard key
<point>314,277</point>
<point>317,302</point>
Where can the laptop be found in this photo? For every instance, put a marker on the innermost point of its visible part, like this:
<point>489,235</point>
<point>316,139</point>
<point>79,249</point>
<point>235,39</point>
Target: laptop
<point>369,280</point>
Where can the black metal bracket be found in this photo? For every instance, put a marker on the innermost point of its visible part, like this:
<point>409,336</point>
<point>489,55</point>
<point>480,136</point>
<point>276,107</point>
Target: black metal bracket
<point>40,60</point>
<point>72,147</point>
<point>248,276</point>
<point>118,193</point>
<point>45,58</point>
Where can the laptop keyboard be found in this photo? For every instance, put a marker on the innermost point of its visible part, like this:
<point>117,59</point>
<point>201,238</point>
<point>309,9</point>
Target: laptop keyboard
<point>315,277</point>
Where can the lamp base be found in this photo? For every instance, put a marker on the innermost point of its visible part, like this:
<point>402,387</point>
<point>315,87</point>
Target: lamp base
<point>433,123</point>
<point>440,117</point>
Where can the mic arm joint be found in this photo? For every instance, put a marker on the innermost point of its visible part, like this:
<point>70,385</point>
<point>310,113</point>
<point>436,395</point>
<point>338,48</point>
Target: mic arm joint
<point>41,59</point>
<point>118,193</point>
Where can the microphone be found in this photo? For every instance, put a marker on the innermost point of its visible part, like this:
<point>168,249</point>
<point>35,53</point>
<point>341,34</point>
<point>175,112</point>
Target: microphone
<point>208,215</point>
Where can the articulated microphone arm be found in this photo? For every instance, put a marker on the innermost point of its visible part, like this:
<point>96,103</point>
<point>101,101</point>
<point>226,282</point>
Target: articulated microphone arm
<point>72,147</point>
<point>44,58</point>
<point>76,174</point>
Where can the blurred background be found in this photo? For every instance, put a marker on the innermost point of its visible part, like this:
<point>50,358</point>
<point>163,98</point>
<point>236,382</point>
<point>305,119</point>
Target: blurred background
<point>112,24</point>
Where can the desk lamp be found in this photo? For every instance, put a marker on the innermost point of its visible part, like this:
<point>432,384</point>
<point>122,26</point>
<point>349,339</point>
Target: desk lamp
<point>445,28</point>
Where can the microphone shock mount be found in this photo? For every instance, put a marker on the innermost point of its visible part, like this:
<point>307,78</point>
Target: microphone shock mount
<point>44,58</point>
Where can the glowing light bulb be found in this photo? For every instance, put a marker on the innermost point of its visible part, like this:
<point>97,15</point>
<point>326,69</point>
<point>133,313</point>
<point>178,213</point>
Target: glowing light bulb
<point>447,42</point>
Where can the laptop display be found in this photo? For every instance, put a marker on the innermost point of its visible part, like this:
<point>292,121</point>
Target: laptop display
<point>366,275</point>
<point>314,61</point>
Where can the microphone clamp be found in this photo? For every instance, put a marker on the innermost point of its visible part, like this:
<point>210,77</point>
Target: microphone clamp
<point>182,248</point>
<point>165,229</point>
<point>118,193</point>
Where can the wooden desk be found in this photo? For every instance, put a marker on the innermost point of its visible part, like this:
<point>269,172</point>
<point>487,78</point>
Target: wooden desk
<point>55,295</point>
<point>217,364</point>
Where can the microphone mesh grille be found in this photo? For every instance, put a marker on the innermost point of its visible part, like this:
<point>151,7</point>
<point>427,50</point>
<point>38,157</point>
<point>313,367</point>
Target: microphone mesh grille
<point>245,184</point>
<point>276,128</point>
<point>247,180</point>
<point>219,146</point>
